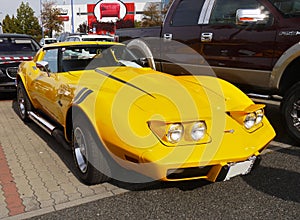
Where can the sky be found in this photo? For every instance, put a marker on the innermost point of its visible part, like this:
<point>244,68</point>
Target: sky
<point>10,6</point>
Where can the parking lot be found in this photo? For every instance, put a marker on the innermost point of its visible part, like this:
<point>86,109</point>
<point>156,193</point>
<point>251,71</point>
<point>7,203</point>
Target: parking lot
<point>37,174</point>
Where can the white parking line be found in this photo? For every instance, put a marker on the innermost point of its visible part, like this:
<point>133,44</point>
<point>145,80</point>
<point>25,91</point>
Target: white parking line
<point>275,146</point>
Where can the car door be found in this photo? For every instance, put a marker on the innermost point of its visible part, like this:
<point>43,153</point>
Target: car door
<point>181,34</point>
<point>47,85</point>
<point>237,51</point>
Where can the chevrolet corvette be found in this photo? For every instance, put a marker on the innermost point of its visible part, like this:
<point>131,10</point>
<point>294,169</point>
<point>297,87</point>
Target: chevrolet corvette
<point>98,101</point>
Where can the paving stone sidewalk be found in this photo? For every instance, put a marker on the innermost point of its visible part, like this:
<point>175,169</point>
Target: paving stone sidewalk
<point>36,173</point>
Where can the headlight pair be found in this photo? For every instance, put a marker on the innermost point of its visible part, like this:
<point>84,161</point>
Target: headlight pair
<point>173,133</point>
<point>251,118</point>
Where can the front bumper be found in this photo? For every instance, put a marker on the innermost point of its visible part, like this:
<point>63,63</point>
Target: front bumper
<point>8,87</point>
<point>235,154</point>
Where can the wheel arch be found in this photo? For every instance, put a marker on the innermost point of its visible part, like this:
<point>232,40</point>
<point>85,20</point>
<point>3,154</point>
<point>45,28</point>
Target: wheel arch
<point>284,73</point>
<point>290,76</point>
<point>73,110</point>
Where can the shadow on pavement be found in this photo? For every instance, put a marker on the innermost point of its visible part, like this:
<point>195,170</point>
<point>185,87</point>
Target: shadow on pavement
<point>272,112</point>
<point>276,182</point>
<point>7,96</point>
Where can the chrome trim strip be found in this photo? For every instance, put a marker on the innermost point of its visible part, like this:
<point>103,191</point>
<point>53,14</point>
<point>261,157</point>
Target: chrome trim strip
<point>206,12</point>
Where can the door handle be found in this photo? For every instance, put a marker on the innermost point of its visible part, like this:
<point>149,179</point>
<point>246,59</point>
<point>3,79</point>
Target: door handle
<point>206,37</point>
<point>168,36</point>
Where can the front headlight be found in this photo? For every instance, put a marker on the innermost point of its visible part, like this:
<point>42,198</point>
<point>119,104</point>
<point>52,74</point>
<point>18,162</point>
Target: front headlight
<point>251,117</point>
<point>249,120</point>
<point>174,133</point>
<point>180,133</point>
<point>259,116</point>
<point>198,131</point>
<point>254,118</point>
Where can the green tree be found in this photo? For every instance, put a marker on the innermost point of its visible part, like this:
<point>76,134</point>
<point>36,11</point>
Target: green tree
<point>8,24</point>
<point>26,22</point>
<point>152,16</point>
<point>166,7</point>
<point>51,18</point>
<point>137,24</point>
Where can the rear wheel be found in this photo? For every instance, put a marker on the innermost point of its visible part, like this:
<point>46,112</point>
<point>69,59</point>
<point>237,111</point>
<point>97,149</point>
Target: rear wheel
<point>290,111</point>
<point>88,152</point>
<point>24,104</point>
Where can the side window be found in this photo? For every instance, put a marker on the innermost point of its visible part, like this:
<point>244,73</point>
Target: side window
<point>51,57</point>
<point>224,11</point>
<point>289,8</point>
<point>187,13</point>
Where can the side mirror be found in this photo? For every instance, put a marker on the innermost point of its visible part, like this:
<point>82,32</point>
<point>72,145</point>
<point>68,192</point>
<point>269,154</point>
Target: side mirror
<point>142,62</point>
<point>43,66</point>
<point>246,16</point>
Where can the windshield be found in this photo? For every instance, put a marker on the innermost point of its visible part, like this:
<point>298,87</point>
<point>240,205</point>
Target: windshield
<point>289,8</point>
<point>15,45</point>
<point>81,57</point>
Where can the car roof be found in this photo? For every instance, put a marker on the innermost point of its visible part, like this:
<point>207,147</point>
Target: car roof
<point>78,43</point>
<point>15,35</point>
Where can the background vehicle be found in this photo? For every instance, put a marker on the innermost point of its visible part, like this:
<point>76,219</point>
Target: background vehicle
<point>251,43</point>
<point>63,36</point>
<point>95,100</point>
<point>14,48</point>
<point>48,40</point>
<point>91,37</point>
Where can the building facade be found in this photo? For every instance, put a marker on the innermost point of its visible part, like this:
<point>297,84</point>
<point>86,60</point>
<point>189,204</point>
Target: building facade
<point>104,16</point>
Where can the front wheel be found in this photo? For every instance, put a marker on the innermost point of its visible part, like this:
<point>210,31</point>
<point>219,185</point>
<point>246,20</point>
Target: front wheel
<point>89,156</point>
<point>290,111</point>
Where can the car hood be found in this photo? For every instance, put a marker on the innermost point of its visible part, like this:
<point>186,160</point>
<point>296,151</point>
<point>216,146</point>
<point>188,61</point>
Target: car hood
<point>162,94</point>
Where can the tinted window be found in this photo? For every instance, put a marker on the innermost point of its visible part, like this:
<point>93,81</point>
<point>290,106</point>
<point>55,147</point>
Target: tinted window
<point>12,44</point>
<point>287,7</point>
<point>224,11</point>
<point>187,13</point>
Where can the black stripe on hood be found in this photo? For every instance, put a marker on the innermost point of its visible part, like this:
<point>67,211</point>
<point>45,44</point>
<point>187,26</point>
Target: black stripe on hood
<point>124,82</point>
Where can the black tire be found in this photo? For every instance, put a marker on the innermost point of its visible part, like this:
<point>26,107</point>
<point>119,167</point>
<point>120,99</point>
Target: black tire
<point>290,111</point>
<point>89,155</point>
<point>23,102</point>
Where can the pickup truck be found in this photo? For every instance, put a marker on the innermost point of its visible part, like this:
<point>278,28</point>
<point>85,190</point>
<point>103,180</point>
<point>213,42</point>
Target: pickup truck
<point>254,44</point>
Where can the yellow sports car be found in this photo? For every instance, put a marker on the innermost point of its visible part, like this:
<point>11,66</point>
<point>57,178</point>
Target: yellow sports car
<point>97,100</point>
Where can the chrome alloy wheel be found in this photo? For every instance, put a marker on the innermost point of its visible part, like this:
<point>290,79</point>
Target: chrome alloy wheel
<point>295,114</point>
<point>21,102</point>
<point>80,150</point>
